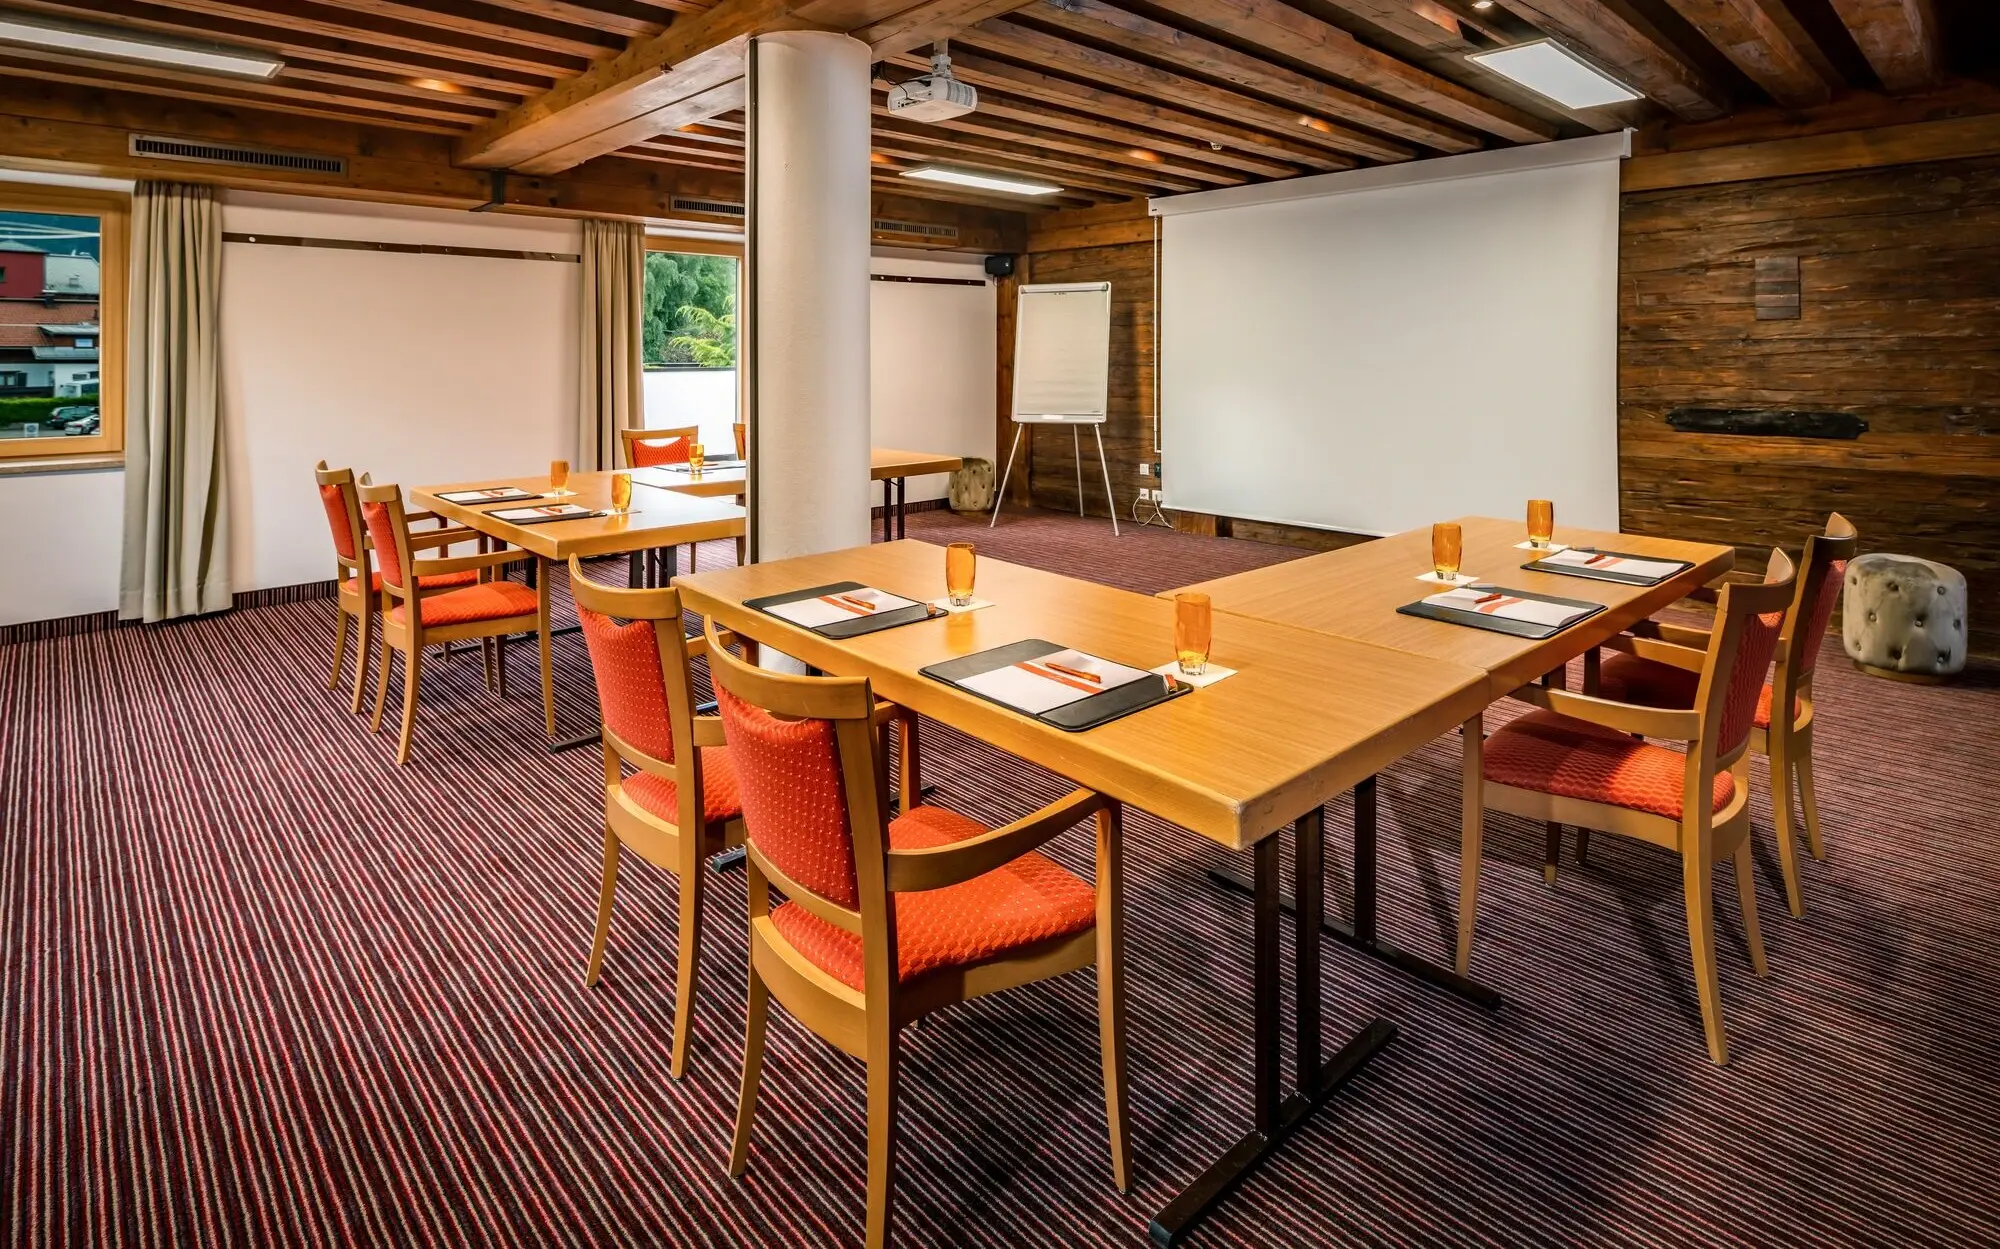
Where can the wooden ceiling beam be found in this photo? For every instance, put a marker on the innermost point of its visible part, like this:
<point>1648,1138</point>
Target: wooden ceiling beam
<point>690,59</point>
<point>1631,49</point>
<point>292,45</point>
<point>1094,19</point>
<point>1758,38</point>
<point>306,18</point>
<point>720,98</point>
<point>40,71</point>
<point>1131,149</point>
<point>924,24</point>
<point>1035,47</point>
<point>1298,36</point>
<point>631,21</point>
<point>85,130</point>
<point>1899,38</point>
<point>468,18</point>
<point>1424,23</point>
<point>1226,138</point>
<point>1082,169</point>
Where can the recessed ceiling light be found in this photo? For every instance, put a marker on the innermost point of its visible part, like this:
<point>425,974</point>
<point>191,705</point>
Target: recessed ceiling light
<point>1140,153</point>
<point>1482,5</point>
<point>437,84</point>
<point>135,46</point>
<point>984,181</point>
<point>1547,68</point>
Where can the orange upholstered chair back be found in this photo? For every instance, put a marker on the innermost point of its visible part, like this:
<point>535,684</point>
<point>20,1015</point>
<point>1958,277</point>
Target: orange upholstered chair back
<point>640,666</point>
<point>343,511</point>
<point>647,448</point>
<point>804,749</point>
<point>1818,590</point>
<point>389,532</point>
<point>1748,622</point>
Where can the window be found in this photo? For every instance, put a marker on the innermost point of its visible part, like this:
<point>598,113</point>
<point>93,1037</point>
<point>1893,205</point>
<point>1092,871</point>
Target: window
<point>62,312</point>
<point>689,337</point>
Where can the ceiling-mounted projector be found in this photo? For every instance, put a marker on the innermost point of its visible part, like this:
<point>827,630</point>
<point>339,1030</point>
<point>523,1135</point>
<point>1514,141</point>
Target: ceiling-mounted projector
<point>937,96</point>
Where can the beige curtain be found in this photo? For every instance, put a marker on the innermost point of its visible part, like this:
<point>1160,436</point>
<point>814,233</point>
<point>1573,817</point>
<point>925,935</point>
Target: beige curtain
<point>609,374</point>
<point>176,560</point>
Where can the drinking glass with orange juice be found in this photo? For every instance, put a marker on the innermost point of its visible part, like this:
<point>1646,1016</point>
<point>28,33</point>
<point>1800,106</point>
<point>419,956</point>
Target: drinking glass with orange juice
<point>960,563</point>
<point>1193,632</point>
<point>558,476</point>
<point>621,493</point>
<point>1541,522</point>
<point>1447,546</point>
<point>697,456</point>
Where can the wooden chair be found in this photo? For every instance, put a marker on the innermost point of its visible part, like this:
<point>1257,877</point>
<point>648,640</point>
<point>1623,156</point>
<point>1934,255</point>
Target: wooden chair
<point>1582,760</point>
<point>489,609</point>
<point>885,920</point>
<point>352,574</point>
<point>680,805</point>
<point>1663,678</point>
<point>647,448</point>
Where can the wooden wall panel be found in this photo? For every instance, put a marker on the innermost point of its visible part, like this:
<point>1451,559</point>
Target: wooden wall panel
<point>1900,324</point>
<point>1128,434</point>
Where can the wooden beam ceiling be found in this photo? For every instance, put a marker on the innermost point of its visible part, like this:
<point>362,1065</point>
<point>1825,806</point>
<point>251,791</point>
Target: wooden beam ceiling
<point>1758,37</point>
<point>1630,47</point>
<point>1899,38</point>
<point>1298,36</point>
<point>1114,99</point>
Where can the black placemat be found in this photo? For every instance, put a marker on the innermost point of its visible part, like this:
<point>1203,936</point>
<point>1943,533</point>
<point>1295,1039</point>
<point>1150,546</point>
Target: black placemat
<point>1500,624</point>
<point>874,622</point>
<point>543,520</point>
<point>1085,713</point>
<point>1609,574</point>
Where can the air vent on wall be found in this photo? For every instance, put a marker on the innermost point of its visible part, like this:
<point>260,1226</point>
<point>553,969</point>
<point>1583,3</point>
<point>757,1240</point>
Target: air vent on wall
<point>713,207</point>
<point>921,229</point>
<point>239,155</point>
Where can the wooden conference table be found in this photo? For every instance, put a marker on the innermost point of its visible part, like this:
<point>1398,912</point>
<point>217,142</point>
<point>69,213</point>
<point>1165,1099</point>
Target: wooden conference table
<point>1307,716</point>
<point>891,467</point>
<point>1354,592</point>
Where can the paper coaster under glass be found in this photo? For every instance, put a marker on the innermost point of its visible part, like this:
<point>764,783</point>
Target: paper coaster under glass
<point>1546,548</point>
<point>974,605</point>
<point>1209,676</point>
<point>1464,578</point>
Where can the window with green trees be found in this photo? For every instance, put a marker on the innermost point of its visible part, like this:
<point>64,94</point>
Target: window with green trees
<point>690,310</point>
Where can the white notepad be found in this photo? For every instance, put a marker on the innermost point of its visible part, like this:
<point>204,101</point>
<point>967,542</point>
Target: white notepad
<point>492,494</point>
<point>1506,606</point>
<point>1650,569</point>
<point>1034,686</point>
<point>827,609</point>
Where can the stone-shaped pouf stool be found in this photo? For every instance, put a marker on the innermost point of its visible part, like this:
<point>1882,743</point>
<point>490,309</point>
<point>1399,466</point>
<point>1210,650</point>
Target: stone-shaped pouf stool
<point>971,487</point>
<point>1904,617</point>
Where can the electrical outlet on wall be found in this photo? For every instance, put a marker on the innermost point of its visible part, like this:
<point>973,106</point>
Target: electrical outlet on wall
<point>1145,470</point>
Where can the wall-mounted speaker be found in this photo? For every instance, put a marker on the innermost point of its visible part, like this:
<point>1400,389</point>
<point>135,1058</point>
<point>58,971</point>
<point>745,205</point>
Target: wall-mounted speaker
<point>1000,266</point>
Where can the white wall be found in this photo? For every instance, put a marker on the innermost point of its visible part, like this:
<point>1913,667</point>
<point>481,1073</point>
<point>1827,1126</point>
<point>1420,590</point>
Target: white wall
<point>427,369</point>
<point>932,363</point>
<point>60,554</point>
<point>421,369</point>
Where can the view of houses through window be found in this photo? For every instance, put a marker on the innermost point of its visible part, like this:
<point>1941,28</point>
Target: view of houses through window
<point>689,336</point>
<point>50,284</point>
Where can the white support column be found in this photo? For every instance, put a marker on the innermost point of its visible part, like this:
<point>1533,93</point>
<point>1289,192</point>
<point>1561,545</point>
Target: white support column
<point>809,248</point>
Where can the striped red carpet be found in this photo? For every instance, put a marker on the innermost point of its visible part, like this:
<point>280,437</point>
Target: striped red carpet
<point>263,988</point>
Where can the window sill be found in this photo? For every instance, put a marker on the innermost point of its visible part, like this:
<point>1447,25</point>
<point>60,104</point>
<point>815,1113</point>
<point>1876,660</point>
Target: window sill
<point>63,464</point>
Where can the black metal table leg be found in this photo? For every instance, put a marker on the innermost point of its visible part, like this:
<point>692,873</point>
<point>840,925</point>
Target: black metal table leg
<point>1361,934</point>
<point>902,507</point>
<point>576,743</point>
<point>1275,1116</point>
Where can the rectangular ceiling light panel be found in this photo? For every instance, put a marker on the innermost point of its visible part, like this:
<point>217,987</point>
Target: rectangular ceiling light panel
<point>1547,68</point>
<point>21,28</point>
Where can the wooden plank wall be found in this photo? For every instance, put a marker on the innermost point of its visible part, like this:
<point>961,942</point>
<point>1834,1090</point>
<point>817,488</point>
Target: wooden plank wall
<point>1899,323</point>
<point>1114,245</point>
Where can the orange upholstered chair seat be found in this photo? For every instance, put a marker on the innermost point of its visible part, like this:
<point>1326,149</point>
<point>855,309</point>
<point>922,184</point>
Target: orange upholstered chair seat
<point>1649,683</point>
<point>1029,900</point>
<point>437,581</point>
<point>722,798</point>
<point>1570,758</point>
<point>495,600</point>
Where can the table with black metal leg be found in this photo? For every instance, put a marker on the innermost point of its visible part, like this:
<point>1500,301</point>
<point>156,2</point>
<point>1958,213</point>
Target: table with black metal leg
<point>1276,1114</point>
